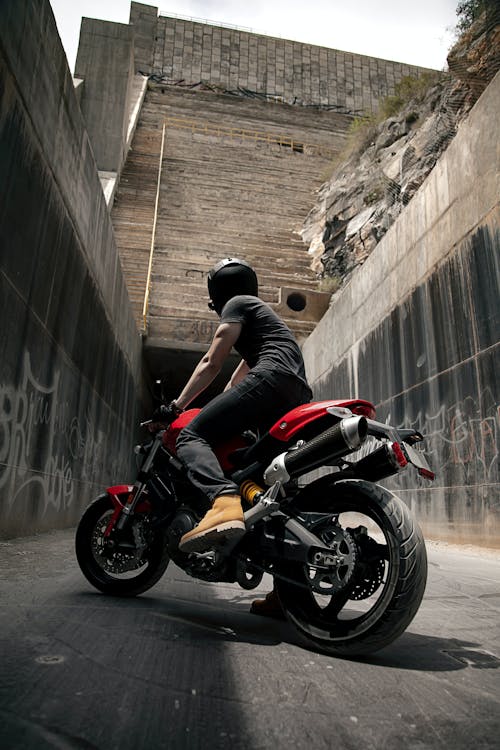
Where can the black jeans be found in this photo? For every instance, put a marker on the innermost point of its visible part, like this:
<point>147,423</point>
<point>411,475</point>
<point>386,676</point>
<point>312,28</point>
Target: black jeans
<point>258,401</point>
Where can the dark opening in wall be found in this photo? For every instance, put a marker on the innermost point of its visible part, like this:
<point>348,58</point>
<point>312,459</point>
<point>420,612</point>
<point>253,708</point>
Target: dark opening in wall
<point>296,301</point>
<point>294,145</point>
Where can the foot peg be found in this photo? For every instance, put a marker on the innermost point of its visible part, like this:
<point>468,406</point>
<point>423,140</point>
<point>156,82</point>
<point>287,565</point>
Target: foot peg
<point>266,505</point>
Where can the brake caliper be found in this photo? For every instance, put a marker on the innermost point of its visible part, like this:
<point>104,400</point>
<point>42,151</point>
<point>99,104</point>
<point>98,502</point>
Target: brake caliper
<point>370,566</point>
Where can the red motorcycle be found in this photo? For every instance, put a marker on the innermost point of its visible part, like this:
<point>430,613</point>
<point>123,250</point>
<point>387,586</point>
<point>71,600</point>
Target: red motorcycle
<point>347,557</point>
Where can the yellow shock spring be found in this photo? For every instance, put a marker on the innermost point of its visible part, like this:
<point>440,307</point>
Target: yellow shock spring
<point>249,491</point>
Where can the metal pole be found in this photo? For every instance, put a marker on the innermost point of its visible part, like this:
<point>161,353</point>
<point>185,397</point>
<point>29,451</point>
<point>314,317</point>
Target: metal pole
<point>153,236</point>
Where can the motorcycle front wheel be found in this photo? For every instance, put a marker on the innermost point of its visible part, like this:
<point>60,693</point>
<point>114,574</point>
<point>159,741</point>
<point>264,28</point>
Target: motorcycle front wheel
<point>371,600</point>
<point>126,566</point>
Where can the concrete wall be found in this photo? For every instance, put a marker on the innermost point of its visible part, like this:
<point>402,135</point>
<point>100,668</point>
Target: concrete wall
<point>110,94</point>
<point>304,73</point>
<point>70,353</point>
<point>144,20</point>
<point>417,332</point>
<point>105,62</point>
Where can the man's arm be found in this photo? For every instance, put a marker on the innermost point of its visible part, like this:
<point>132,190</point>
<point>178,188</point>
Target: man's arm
<point>241,371</point>
<point>211,363</point>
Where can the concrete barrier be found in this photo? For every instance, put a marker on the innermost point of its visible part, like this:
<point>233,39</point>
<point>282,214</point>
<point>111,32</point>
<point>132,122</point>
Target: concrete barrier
<point>281,70</point>
<point>417,332</point>
<point>70,377</point>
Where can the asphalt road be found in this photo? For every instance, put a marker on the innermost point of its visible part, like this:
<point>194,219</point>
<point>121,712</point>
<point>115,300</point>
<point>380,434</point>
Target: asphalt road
<point>186,665</point>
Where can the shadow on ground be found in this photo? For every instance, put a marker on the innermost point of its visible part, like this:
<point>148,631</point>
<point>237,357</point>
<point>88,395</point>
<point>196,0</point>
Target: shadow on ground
<point>230,621</point>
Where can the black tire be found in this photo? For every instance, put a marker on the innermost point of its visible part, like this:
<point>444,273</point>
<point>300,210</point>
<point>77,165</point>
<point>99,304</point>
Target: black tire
<point>336,628</point>
<point>89,534</point>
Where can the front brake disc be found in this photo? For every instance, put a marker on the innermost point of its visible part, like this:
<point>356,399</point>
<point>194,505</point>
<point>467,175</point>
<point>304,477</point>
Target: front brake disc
<point>115,559</point>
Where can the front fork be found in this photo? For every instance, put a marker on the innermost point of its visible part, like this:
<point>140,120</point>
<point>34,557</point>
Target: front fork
<point>134,492</point>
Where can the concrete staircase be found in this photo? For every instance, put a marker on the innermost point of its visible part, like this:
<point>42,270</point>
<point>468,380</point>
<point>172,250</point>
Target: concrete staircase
<point>237,178</point>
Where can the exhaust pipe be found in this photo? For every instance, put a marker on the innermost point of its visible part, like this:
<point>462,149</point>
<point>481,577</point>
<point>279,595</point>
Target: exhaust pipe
<point>343,438</point>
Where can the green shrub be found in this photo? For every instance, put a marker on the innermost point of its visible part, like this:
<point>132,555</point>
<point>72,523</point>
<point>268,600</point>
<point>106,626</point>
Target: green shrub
<point>330,284</point>
<point>408,89</point>
<point>468,10</point>
<point>361,133</point>
<point>363,130</point>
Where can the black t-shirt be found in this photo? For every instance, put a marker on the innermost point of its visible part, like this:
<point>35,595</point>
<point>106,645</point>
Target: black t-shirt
<point>265,343</point>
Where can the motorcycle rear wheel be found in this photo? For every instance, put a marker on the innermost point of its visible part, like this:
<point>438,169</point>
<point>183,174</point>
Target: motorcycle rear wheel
<point>144,570</point>
<point>385,592</point>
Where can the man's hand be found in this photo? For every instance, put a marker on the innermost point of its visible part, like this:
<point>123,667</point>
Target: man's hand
<point>163,416</point>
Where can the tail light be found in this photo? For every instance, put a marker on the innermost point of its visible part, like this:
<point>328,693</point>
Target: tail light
<point>364,410</point>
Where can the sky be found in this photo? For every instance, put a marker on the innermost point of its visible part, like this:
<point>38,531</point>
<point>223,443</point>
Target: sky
<point>417,33</point>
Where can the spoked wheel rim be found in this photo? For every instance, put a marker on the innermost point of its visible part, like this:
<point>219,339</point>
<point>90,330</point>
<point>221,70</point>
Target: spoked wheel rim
<point>352,604</point>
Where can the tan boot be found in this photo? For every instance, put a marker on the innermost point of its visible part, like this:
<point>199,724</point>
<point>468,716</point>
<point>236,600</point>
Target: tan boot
<point>223,521</point>
<point>268,607</point>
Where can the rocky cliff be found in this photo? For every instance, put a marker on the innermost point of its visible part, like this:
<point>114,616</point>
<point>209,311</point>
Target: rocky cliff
<point>388,158</point>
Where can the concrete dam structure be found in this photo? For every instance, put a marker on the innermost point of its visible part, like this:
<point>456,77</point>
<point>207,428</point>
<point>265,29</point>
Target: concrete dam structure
<point>177,143</point>
<point>235,133</point>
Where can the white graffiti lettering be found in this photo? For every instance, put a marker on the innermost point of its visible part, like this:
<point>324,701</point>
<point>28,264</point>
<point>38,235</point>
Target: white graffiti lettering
<point>46,452</point>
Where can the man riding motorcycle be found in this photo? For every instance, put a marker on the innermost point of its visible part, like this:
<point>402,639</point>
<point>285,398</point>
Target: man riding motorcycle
<point>346,589</point>
<point>269,381</point>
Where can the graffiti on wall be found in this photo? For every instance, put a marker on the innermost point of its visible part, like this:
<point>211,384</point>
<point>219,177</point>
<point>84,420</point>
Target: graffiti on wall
<point>462,437</point>
<point>46,452</point>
